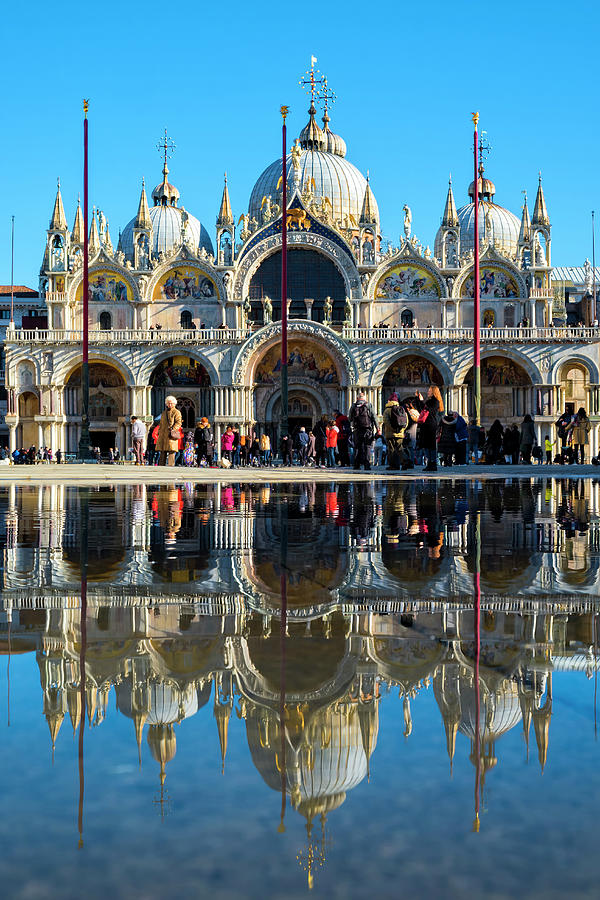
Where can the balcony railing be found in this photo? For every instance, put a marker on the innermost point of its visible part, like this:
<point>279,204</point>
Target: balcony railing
<point>135,336</point>
<point>353,335</point>
<point>465,335</point>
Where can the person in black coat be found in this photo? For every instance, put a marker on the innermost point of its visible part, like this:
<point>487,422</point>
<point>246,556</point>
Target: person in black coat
<point>447,441</point>
<point>427,427</point>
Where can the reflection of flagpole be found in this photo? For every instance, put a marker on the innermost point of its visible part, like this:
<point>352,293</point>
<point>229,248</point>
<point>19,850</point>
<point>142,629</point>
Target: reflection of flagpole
<point>282,652</point>
<point>85,511</point>
<point>284,323</point>
<point>476,285</point>
<point>477,634</point>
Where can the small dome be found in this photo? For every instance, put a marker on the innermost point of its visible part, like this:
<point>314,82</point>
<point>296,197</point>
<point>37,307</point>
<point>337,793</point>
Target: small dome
<point>497,225</point>
<point>498,713</point>
<point>167,223</point>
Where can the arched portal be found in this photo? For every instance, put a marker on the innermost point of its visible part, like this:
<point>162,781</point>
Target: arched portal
<point>187,380</point>
<point>314,386</point>
<point>410,374</point>
<point>311,275</point>
<point>107,404</point>
<point>29,406</point>
<point>505,390</point>
<point>574,380</point>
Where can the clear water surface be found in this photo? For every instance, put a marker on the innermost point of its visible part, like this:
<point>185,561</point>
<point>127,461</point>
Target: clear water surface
<point>360,690</point>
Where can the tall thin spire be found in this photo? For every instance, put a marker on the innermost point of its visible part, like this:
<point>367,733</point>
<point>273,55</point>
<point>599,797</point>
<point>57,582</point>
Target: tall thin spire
<point>450,216</point>
<point>77,233</point>
<point>540,212</point>
<point>58,222</point>
<point>225,216</point>
<point>368,215</point>
<point>525,232</point>
<point>94,238</point>
<point>142,219</point>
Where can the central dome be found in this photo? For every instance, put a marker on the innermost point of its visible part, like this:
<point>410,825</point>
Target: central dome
<point>320,158</point>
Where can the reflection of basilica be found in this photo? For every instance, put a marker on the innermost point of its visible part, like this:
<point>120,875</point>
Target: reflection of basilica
<point>380,589</point>
<point>316,741</point>
<point>169,312</point>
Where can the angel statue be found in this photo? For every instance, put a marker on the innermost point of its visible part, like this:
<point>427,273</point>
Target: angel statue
<point>268,310</point>
<point>266,209</point>
<point>327,310</point>
<point>296,153</point>
<point>587,276</point>
<point>407,221</point>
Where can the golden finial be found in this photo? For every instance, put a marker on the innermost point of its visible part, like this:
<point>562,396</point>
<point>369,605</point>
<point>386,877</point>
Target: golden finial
<point>86,106</point>
<point>284,111</point>
<point>475,117</point>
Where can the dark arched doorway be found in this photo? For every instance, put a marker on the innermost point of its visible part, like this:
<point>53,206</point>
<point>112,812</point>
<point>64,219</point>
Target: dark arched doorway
<point>311,275</point>
<point>505,390</point>
<point>107,405</point>
<point>187,380</point>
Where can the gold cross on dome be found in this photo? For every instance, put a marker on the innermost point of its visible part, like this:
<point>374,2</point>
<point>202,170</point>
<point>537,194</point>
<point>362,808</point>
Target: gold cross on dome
<point>310,80</point>
<point>326,96</point>
<point>166,147</point>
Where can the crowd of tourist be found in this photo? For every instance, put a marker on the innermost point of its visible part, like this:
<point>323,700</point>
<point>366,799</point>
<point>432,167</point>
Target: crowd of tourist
<point>414,431</point>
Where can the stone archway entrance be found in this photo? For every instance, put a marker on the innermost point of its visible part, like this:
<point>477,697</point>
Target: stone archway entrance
<point>409,375</point>
<point>505,390</point>
<point>314,386</point>
<point>187,380</point>
<point>29,407</point>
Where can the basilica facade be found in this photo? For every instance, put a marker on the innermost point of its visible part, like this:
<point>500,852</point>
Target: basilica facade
<point>171,312</point>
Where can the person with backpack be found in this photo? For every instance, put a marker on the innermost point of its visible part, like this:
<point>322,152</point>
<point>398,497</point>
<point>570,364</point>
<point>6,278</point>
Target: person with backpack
<point>395,421</point>
<point>364,425</point>
<point>564,432</point>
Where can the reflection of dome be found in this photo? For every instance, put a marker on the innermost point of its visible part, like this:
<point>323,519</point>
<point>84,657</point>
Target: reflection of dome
<point>322,159</point>
<point>164,702</point>
<point>330,759</point>
<point>166,231</point>
<point>499,712</point>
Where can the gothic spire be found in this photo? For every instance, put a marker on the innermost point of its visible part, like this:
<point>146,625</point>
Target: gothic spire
<point>367,216</point>
<point>540,212</point>
<point>142,219</point>
<point>450,216</point>
<point>58,222</point>
<point>225,216</point>
<point>94,238</point>
<point>77,233</point>
<point>525,232</point>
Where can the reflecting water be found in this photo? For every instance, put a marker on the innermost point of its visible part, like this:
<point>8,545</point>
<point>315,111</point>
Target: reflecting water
<point>255,690</point>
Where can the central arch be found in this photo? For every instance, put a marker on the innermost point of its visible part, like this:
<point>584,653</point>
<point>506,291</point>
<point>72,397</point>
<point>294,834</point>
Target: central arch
<point>505,390</point>
<point>311,275</point>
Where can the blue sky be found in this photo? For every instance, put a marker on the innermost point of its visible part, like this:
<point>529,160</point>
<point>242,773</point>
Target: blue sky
<point>407,78</point>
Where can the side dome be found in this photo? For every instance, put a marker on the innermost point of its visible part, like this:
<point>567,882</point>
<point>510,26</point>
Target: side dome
<point>496,225</point>
<point>167,224</point>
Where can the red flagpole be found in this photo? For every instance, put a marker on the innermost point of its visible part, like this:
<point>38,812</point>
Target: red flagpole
<point>284,309</point>
<point>476,285</point>
<point>84,440</point>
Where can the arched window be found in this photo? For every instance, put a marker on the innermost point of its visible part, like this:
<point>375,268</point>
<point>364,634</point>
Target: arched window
<point>406,318</point>
<point>186,319</point>
<point>105,321</point>
<point>489,318</point>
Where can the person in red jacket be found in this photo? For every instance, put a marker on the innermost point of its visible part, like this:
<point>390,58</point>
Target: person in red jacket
<point>332,432</point>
